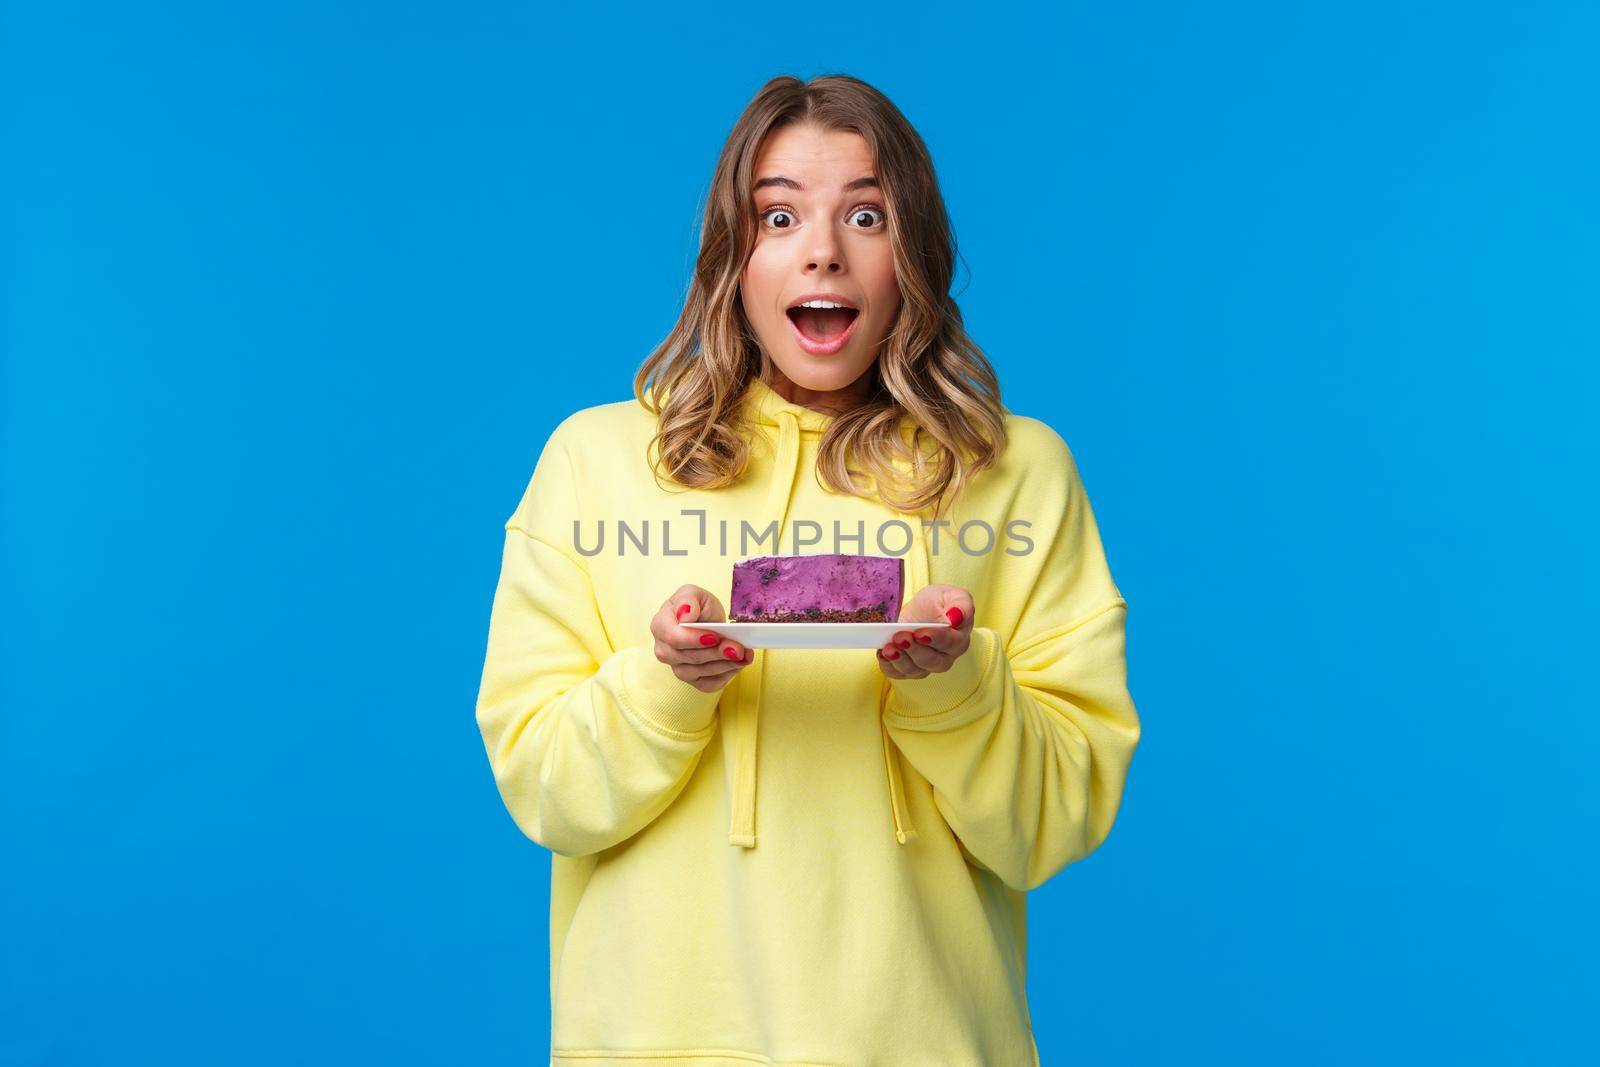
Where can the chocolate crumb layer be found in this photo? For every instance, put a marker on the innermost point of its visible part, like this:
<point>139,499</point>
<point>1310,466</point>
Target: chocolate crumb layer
<point>861,615</point>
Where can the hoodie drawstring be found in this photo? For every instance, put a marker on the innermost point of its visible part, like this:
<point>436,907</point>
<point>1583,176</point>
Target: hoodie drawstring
<point>750,681</point>
<point>918,570</point>
<point>785,471</point>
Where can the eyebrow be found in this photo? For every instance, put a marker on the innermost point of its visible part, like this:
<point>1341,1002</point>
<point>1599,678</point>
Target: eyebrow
<point>790,183</point>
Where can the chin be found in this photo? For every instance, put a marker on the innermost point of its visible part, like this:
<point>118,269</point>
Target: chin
<point>823,374</point>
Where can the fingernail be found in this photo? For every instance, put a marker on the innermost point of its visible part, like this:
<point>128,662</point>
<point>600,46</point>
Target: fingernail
<point>730,653</point>
<point>681,609</point>
<point>903,644</point>
<point>924,638</point>
<point>955,616</point>
<point>891,654</point>
<point>749,654</point>
<point>708,639</point>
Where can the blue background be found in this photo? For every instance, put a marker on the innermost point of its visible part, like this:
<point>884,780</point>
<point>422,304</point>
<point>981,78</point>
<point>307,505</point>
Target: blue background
<point>294,293</point>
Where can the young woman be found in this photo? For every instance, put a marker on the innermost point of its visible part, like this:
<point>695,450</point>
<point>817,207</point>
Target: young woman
<point>865,904</point>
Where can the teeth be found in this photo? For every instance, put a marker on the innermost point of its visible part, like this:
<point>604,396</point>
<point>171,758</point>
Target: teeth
<point>822,304</point>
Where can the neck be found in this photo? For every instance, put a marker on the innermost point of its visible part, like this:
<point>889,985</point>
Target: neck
<point>826,401</point>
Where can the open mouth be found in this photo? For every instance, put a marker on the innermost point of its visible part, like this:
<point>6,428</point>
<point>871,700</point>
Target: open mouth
<point>822,330</point>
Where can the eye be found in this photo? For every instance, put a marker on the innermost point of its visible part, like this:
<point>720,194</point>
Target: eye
<point>868,210</point>
<point>781,212</point>
<point>779,217</point>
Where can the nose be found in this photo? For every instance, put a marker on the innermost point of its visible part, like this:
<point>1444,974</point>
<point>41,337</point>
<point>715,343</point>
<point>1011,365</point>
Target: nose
<point>825,252</point>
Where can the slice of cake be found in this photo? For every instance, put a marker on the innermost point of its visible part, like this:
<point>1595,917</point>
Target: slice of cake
<point>838,588</point>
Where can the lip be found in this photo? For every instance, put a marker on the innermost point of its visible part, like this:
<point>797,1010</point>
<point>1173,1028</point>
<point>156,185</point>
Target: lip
<point>834,297</point>
<point>823,348</point>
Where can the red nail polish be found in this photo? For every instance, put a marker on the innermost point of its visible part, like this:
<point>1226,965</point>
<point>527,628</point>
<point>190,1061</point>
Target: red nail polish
<point>708,639</point>
<point>730,653</point>
<point>955,616</point>
<point>681,609</point>
<point>924,638</point>
<point>903,644</point>
<point>892,655</point>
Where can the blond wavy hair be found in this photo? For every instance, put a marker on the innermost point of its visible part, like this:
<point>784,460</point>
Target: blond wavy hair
<point>928,370</point>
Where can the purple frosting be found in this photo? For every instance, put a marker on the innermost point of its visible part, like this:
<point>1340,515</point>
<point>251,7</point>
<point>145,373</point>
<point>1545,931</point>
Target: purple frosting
<point>822,587</point>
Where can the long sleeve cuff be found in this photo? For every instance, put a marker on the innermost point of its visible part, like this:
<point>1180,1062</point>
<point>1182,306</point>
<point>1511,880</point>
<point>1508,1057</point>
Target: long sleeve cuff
<point>660,698</point>
<point>949,698</point>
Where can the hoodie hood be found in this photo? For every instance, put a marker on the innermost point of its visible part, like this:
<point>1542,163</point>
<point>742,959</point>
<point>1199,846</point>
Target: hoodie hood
<point>785,426</point>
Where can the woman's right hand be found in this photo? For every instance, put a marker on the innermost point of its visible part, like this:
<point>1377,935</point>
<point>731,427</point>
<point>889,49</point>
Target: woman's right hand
<point>699,657</point>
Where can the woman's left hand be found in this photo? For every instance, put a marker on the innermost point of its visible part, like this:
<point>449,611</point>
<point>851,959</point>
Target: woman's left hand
<point>913,653</point>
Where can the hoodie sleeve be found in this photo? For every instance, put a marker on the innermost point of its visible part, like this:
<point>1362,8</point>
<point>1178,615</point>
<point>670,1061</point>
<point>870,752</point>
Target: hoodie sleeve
<point>588,743</point>
<point>1027,738</point>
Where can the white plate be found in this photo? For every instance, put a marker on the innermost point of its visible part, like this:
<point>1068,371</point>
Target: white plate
<point>813,634</point>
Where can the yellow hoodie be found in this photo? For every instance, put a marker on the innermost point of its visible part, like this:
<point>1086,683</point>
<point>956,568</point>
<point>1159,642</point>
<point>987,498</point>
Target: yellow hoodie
<point>874,913</point>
